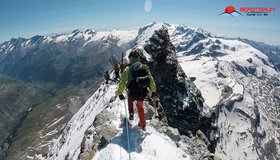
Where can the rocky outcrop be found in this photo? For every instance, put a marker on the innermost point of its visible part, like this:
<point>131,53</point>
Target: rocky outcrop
<point>182,102</point>
<point>98,135</point>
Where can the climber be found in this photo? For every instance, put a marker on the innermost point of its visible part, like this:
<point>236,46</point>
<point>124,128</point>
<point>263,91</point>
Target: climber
<point>117,70</point>
<point>137,78</point>
<point>107,77</point>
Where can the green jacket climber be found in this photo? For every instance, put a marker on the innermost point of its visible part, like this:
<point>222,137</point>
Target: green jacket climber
<point>125,78</point>
<point>135,93</point>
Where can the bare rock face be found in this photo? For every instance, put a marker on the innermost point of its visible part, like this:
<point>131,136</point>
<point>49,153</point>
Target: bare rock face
<point>98,135</point>
<point>174,88</point>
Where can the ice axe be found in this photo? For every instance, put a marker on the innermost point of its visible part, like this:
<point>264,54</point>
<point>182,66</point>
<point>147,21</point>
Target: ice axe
<point>155,106</point>
<point>157,116</point>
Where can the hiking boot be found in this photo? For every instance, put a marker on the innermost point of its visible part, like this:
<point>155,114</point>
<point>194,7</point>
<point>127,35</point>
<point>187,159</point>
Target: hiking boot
<point>142,127</point>
<point>131,117</point>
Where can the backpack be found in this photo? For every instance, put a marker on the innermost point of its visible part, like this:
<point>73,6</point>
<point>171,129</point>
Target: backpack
<point>140,75</point>
<point>139,81</point>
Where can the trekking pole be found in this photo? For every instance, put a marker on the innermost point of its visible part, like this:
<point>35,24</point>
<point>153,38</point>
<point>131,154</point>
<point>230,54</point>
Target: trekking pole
<point>155,105</point>
<point>127,132</point>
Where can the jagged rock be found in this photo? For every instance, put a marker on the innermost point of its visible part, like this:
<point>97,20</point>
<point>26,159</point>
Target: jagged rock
<point>149,111</point>
<point>192,79</point>
<point>171,81</point>
<point>218,42</point>
<point>250,60</point>
<point>103,126</point>
<point>102,118</point>
<point>196,147</point>
<point>200,134</point>
<point>173,133</point>
<point>252,70</point>
<point>89,144</point>
<point>189,134</point>
<point>109,132</point>
<point>215,47</point>
<point>197,49</point>
<point>226,92</point>
<point>98,135</point>
<point>3,150</point>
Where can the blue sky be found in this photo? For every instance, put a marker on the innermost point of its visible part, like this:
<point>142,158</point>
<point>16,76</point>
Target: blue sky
<point>26,18</point>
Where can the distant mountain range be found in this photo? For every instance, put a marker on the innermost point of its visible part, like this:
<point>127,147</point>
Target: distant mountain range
<point>237,81</point>
<point>67,66</point>
<point>64,59</point>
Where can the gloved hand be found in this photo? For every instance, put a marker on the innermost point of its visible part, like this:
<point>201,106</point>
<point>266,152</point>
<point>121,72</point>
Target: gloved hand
<point>121,97</point>
<point>153,94</point>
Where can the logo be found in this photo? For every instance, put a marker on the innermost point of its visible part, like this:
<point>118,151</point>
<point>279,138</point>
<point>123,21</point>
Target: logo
<point>229,10</point>
<point>249,11</point>
<point>257,11</point>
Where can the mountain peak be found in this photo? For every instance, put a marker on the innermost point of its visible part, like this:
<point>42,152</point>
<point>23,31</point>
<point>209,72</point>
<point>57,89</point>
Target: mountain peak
<point>90,31</point>
<point>76,31</point>
<point>37,38</point>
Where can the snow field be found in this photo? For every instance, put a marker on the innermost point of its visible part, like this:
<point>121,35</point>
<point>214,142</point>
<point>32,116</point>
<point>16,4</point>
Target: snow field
<point>144,145</point>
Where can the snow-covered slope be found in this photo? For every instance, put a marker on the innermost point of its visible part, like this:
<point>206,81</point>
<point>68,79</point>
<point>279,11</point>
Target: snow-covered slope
<point>242,79</point>
<point>242,83</point>
<point>204,66</point>
<point>273,52</point>
<point>148,145</point>
<point>72,137</point>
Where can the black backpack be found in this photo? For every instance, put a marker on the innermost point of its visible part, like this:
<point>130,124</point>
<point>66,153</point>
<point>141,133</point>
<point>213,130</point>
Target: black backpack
<point>139,80</point>
<point>140,75</point>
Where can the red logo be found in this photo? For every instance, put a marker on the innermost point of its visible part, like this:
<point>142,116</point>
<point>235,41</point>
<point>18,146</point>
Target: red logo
<point>250,11</point>
<point>229,10</point>
<point>257,11</point>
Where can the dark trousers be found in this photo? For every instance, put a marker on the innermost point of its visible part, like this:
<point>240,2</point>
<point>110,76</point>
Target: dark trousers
<point>117,73</point>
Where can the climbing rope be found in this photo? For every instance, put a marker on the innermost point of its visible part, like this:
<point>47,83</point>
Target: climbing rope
<point>127,132</point>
